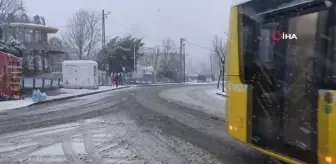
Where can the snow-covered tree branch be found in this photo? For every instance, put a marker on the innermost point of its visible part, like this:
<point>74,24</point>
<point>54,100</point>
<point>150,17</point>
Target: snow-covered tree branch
<point>169,46</point>
<point>84,33</point>
<point>219,47</point>
<point>12,46</point>
<point>11,8</point>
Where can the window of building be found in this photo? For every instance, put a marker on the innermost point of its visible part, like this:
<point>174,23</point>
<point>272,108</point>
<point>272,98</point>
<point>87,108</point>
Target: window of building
<point>28,35</point>
<point>38,36</point>
<point>21,35</point>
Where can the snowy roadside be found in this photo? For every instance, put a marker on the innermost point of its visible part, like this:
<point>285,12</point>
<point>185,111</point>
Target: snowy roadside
<point>200,83</point>
<point>197,97</point>
<point>8,105</point>
<point>217,92</point>
<point>187,83</point>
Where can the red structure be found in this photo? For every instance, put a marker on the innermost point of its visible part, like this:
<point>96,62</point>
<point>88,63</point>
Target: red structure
<point>10,75</point>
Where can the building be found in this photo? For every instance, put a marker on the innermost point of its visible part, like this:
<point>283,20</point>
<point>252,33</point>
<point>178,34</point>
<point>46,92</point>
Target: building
<point>33,34</point>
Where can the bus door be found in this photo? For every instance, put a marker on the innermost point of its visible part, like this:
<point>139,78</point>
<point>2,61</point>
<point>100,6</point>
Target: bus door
<point>285,75</point>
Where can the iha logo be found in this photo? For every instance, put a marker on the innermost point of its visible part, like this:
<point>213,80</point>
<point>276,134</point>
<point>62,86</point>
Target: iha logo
<point>277,36</point>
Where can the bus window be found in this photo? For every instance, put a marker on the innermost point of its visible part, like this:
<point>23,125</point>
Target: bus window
<point>299,106</point>
<point>283,76</point>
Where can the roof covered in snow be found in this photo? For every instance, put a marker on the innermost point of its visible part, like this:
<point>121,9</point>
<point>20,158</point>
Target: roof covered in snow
<point>34,26</point>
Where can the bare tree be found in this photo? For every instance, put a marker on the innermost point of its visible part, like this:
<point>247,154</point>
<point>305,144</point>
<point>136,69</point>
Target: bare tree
<point>83,33</point>
<point>155,62</point>
<point>219,47</point>
<point>169,46</point>
<point>11,8</point>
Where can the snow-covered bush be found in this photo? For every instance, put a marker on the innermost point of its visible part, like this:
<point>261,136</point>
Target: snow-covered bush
<point>12,46</point>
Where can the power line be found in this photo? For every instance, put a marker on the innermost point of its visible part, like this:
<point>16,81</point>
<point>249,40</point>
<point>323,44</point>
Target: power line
<point>128,29</point>
<point>198,45</point>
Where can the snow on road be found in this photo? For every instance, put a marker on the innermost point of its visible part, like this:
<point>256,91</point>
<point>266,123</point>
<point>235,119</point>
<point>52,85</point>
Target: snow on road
<point>200,83</point>
<point>198,97</point>
<point>7,105</point>
<point>73,92</point>
<point>109,139</point>
<point>91,100</point>
<point>217,92</point>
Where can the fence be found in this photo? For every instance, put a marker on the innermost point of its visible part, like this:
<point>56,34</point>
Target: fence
<point>40,83</point>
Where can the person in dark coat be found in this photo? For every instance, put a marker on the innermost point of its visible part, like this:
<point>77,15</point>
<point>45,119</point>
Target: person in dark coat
<point>120,78</point>
<point>112,79</point>
<point>116,79</point>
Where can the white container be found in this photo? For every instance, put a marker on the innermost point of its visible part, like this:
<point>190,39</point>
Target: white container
<point>80,74</point>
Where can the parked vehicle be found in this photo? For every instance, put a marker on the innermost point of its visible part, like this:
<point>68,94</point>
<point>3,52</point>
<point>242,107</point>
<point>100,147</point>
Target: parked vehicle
<point>80,74</point>
<point>201,78</point>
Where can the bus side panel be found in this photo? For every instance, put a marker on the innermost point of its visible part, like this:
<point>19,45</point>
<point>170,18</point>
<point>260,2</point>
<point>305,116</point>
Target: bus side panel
<point>236,90</point>
<point>326,127</point>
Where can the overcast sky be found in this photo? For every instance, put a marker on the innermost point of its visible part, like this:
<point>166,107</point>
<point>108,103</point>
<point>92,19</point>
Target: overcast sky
<point>195,20</point>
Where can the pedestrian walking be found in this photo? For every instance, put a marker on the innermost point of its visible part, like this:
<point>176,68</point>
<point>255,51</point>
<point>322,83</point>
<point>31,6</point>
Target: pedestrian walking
<point>116,79</point>
<point>112,79</point>
<point>120,79</point>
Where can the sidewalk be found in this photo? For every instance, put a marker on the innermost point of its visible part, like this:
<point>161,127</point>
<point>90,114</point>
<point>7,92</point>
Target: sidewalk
<point>65,94</point>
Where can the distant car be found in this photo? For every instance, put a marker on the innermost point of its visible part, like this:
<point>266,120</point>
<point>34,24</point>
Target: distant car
<point>201,78</point>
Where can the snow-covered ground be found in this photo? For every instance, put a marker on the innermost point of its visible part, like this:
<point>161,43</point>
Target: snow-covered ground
<point>188,83</point>
<point>198,97</point>
<point>113,139</point>
<point>217,92</point>
<point>7,105</point>
<point>199,83</point>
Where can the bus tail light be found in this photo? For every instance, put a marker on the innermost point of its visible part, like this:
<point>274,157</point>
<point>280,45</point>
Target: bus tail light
<point>231,127</point>
<point>328,159</point>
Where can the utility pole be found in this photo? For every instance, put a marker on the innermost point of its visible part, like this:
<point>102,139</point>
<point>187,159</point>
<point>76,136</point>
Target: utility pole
<point>103,42</point>
<point>184,63</point>
<point>212,74</point>
<point>106,67</point>
<point>181,53</point>
<point>134,59</point>
<point>134,64</point>
<point>103,29</point>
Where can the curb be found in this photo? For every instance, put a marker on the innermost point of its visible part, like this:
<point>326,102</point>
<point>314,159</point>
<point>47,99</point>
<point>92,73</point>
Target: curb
<point>142,85</point>
<point>76,96</point>
<point>172,84</point>
<point>221,95</point>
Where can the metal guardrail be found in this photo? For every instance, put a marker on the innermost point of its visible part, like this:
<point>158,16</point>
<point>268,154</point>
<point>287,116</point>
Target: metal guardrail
<point>40,83</point>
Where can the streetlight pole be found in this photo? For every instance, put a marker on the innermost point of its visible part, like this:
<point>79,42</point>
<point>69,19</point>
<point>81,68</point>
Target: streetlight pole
<point>134,64</point>
<point>134,58</point>
<point>104,67</point>
<point>212,74</point>
<point>181,53</point>
<point>184,63</point>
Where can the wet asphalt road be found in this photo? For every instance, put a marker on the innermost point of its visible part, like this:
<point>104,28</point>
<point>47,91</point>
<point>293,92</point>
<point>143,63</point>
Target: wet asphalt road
<point>151,113</point>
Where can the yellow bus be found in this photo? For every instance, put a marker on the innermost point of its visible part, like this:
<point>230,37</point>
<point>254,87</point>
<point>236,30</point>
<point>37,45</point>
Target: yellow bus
<point>281,87</point>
